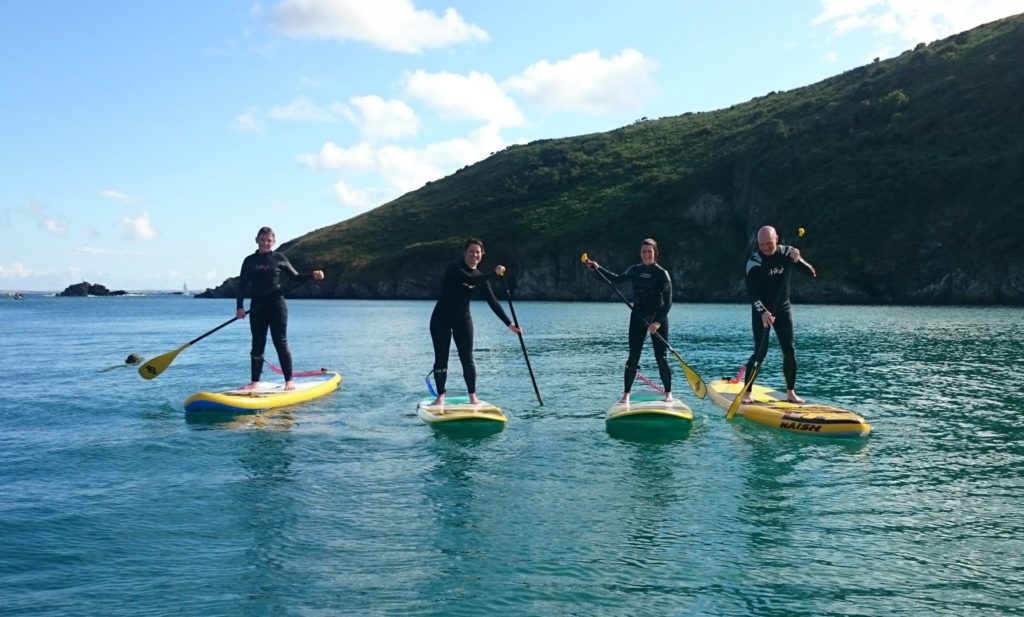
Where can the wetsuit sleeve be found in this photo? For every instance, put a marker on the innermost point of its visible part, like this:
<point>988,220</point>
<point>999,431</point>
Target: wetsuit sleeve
<point>754,282</point>
<point>283,265</point>
<point>613,277</point>
<point>666,298</point>
<point>243,284</point>
<point>493,303</point>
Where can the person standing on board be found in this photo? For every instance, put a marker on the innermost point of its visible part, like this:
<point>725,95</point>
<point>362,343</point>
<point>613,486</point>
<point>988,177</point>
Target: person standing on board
<point>767,283</point>
<point>652,292</point>
<point>261,276</point>
<point>451,318</point>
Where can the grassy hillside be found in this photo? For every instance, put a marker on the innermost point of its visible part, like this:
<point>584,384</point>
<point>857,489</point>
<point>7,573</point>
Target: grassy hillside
<point>906,173</point>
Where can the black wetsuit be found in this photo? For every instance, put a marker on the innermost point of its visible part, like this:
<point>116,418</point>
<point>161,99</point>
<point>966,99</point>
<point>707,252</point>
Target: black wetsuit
<point>652,292</point>
<point>451,319</point>
<point>261,276</point>
<point>768,290</point>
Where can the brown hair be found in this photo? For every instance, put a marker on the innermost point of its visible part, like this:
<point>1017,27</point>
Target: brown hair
<point>265,231</point>
<point>652,243</point>
<point>471,241</point>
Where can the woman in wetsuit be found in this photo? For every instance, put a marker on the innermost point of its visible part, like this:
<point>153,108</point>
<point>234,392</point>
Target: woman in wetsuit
<point>451,318</point>
<point>652,292</point>
<point>261,276</point>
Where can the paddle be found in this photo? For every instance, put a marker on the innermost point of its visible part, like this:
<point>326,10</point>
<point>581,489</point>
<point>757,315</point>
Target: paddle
<point>700,390</point>
<point>522,343</point>
<point>749,383</point>
<point>159,364</point>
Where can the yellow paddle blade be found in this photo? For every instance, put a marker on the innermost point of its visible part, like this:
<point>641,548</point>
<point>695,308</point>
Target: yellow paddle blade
<point>735,405</point>
<point>584,258</point>
<point>696,383</point>
<point>159,364</point>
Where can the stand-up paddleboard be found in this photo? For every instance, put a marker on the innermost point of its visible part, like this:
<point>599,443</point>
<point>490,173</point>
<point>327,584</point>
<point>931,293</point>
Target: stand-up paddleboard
<point>771,408</point>
<point>643,406</point>
<point>265,396</point>
<point>457,410</point>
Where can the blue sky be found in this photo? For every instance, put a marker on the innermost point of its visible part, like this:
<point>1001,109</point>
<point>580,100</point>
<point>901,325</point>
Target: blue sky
<point>145,142</point>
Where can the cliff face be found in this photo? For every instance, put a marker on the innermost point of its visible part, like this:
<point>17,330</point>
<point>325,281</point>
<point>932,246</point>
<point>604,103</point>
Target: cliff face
<point>906,174</point>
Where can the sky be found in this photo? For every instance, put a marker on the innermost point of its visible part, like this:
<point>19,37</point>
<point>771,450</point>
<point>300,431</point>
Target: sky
<point>144,143</point>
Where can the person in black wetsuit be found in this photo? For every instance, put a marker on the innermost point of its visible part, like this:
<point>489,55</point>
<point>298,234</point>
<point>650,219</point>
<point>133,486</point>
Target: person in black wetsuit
<point>451,317</point>
<point>261,276</point>
<point>767,282</point>
<point>652,291</point>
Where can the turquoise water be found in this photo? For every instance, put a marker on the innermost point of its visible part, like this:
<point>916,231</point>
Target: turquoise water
<point>113,503</point>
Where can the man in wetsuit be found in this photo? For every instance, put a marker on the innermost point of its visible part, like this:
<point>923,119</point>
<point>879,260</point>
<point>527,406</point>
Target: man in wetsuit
<point>261,276</point>
<point>767,283</point>
<point>451,318</point>
<point>652,291</point>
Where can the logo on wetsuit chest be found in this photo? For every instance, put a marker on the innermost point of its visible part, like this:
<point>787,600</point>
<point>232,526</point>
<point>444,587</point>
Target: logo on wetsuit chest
<point>778,270</point>
<point>468,286</point>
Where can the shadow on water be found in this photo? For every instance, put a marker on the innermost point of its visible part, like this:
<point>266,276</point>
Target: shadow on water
<point>463,432</point>
<point>648,430</point>
<point>274,420</point>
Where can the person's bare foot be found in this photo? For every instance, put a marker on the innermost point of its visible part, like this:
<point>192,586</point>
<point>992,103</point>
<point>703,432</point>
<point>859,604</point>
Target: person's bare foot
<point>625,399</point>
<point>747,400</point>
<point>668,398</point>
<point>473,400</point>
<point>252,385</point>
<point>792,397</point>
<point>438,402</point>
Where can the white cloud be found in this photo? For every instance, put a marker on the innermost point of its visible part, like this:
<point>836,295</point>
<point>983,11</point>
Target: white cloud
<point>248,122</point>
<point>407,169</point>
<point>586,82</point>
<point>352,196</point>
<point>393,25</point>
<point>332,156</point>
<point>54,226</point>
<point>95,250</point>
<point>138,228</point>
<point>16,270</point>
<point>119,196</point>
<point>381,120</point>
<point>475,96</point>
<point>302,110</point>
<point>913,21</point>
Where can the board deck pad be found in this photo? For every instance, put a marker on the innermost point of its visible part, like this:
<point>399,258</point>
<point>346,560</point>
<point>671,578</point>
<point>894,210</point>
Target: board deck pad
<point>770,408</point>
<point>458,409</point>
<point>650,405</point>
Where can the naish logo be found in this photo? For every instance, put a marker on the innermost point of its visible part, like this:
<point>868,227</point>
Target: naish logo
<point>778,270</point>
<point>800,426</point>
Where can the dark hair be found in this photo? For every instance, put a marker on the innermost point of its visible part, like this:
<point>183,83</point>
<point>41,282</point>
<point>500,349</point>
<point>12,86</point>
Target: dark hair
<point>265,231</point>
<point>652,242</point>
<point>471,241</point>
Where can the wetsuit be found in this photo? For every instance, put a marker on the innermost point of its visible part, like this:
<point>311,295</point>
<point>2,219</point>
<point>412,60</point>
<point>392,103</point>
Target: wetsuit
<point>261,276</point>
<point>652,292</point>
<point>451,319</point>
<point>768,290</point>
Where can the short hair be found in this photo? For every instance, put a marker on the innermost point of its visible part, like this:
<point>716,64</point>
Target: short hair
<point>471,241</point>
<point>265,231</point>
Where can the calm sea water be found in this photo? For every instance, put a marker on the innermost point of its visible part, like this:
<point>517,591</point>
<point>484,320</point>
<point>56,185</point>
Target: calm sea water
<point>113,503</point>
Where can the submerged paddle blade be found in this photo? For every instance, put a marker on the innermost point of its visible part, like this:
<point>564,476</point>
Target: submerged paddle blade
<point>159,364</point>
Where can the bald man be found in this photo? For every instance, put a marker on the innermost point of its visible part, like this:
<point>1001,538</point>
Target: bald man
<point>768,290</point>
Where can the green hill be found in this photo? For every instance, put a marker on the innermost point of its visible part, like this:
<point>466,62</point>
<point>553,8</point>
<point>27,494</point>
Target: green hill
<point>906,173</point>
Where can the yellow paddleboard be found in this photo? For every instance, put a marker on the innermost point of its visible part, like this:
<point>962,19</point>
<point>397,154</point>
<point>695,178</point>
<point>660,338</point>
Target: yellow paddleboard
<point>265,396</point>
<point>771,408</point>
<point>650,406</point>
<point>458,410</point>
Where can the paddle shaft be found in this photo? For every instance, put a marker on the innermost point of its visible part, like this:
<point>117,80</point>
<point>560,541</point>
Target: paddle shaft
<point>522,343</point>
<point>234,319</point>
<point>696,383</point>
